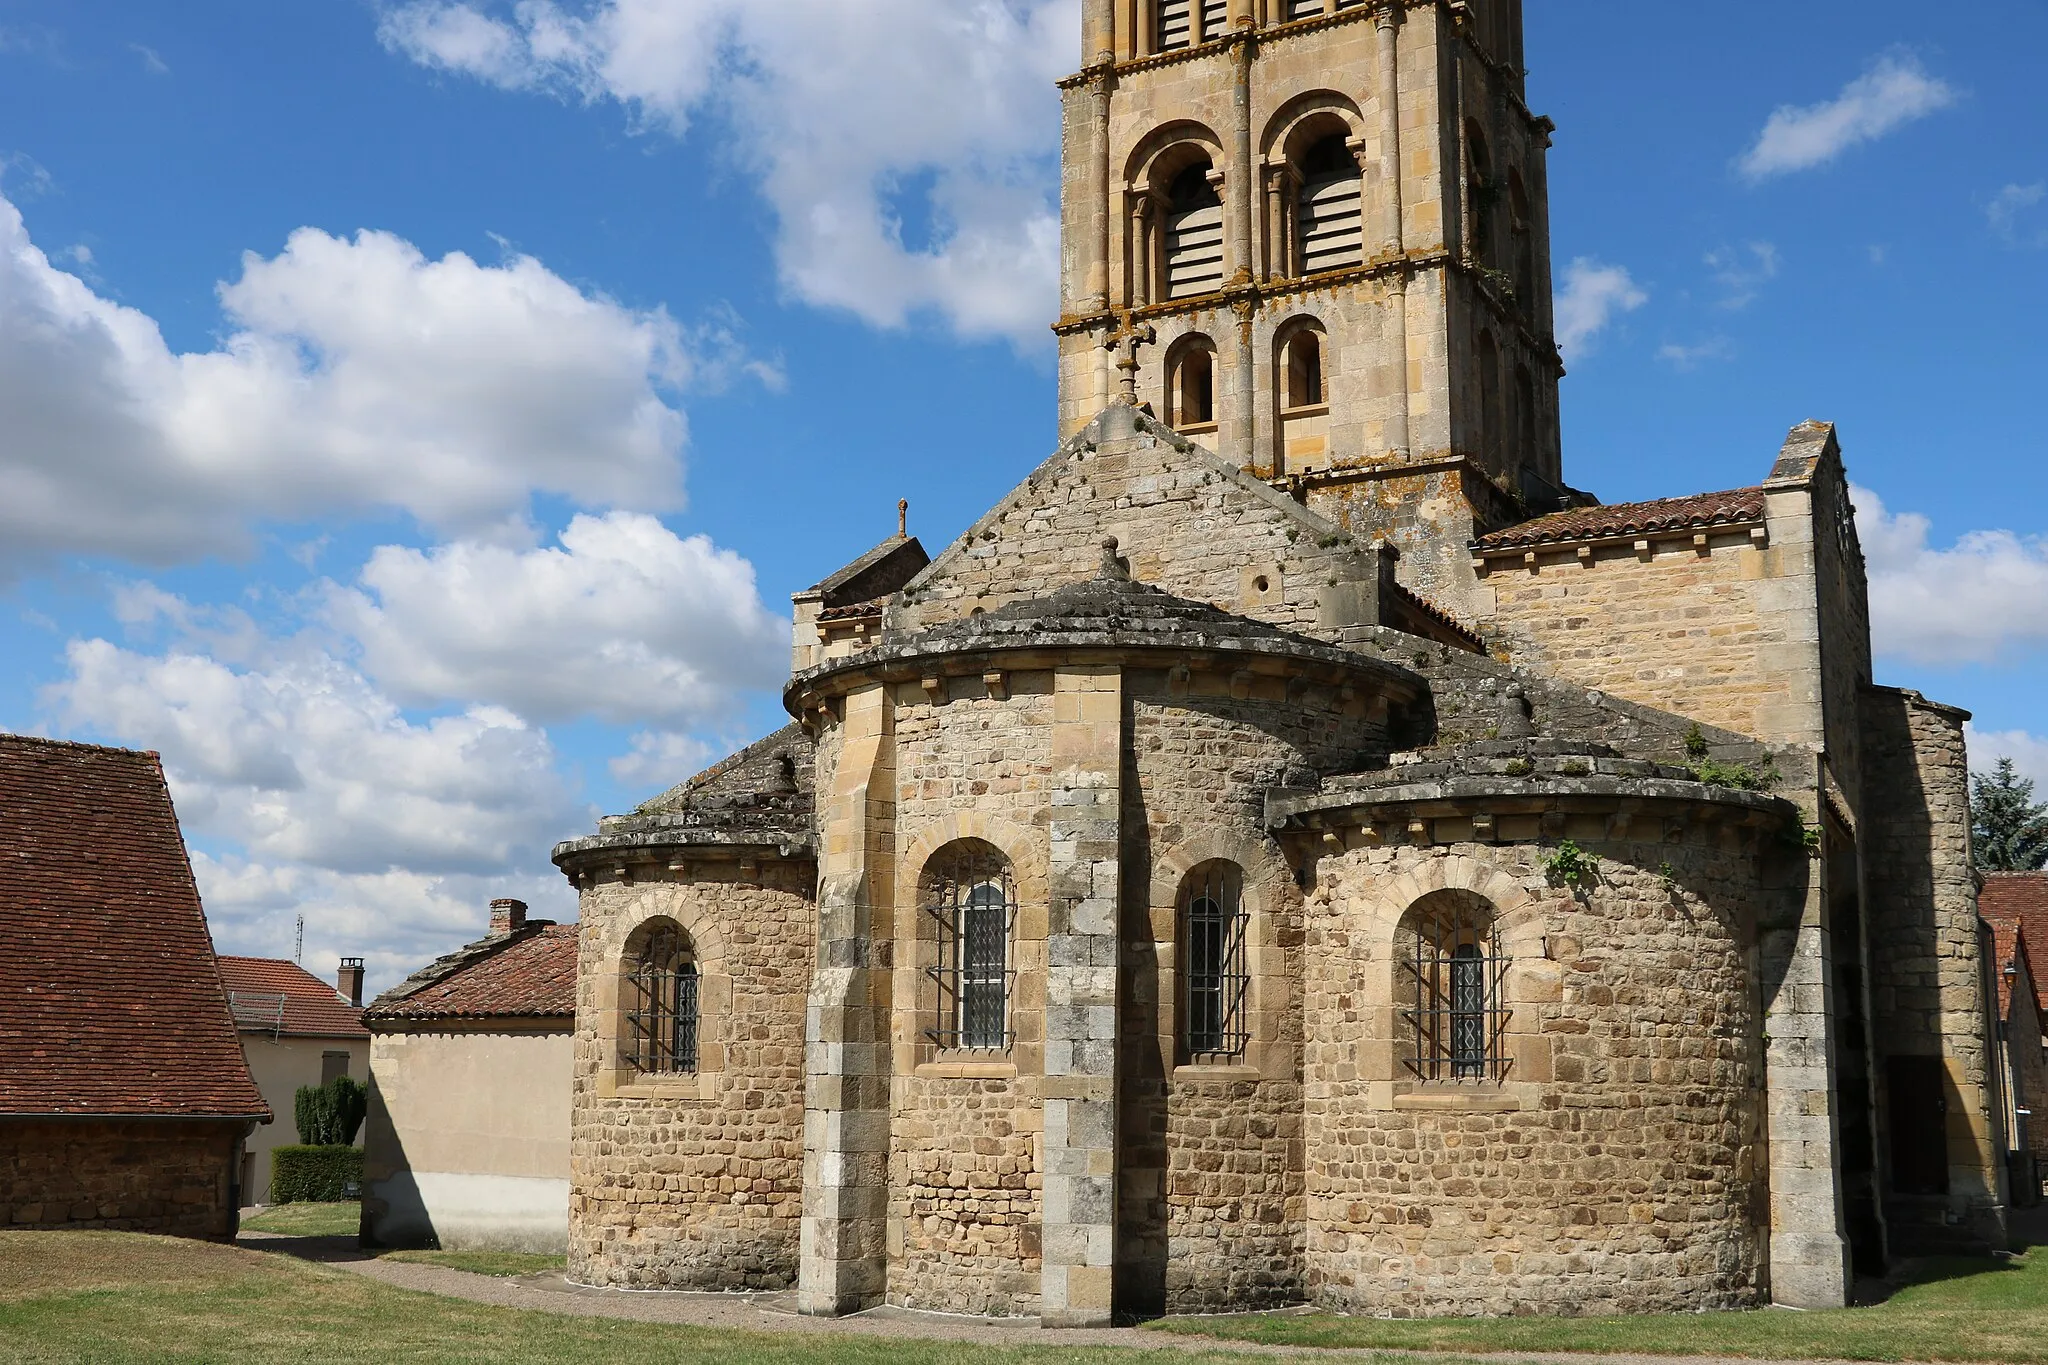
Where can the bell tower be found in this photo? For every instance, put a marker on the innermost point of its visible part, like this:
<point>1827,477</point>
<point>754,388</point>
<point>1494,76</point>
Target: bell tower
<point>1313,235</point>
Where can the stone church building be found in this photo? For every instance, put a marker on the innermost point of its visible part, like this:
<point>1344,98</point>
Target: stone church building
<point>1295,847</point>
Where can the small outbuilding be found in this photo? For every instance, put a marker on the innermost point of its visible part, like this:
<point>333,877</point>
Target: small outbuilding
<point>2014,906</point>
<point>296,1031</point>
<point>467,1141</point>
<point>125,1100</point>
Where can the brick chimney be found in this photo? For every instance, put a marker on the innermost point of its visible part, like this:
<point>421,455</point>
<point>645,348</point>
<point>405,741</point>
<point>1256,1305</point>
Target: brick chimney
<point>349,981</point>
<point>508,916</point>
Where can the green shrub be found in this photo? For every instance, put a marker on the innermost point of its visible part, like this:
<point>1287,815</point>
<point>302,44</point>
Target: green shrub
<point>320,1175</point>
<point>330,1115</point>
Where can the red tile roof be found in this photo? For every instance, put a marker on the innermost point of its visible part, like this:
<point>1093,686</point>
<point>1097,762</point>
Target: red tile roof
<point>530,974</point>
<point>2024,896</point>
<point>270,995</point>
<point>110,1002</point>
<point>2007,950</point>
<point>1736,507</point>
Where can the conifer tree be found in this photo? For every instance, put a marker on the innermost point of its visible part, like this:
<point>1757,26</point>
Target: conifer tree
<point>2009,830</point>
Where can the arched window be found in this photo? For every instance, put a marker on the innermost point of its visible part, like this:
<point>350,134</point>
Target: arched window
<point>1214,964</point>
<point>1479,195</point>
<point>1176,24</point>
<point>661,1012</point>
<point>1490,425</point>
<point>1449,978</point>
<point>970,901</point>
<point>1194,234</point>
<point>1191,385</point>
<point>1329,212</point>
<point>1524,231</point>
<point>1304,370</point>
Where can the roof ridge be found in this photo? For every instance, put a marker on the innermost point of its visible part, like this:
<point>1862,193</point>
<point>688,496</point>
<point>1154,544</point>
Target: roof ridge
<point>448,964</point>
<point>87,746</point>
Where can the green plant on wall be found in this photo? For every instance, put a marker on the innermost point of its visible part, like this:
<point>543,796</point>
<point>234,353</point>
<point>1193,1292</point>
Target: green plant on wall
<point>1570,865</point>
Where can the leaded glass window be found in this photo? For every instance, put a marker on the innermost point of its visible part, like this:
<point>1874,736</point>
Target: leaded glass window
<point>1450,979</point>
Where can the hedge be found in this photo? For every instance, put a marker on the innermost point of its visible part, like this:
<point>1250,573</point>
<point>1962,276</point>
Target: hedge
<point>322,1175</point>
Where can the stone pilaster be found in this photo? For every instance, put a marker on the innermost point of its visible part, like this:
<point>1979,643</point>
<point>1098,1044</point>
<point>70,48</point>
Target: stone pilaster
<point>1081,999</point>
<point>846,1086</point>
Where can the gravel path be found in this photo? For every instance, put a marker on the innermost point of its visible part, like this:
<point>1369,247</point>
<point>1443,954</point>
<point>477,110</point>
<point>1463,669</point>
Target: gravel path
<point>551,1293</point>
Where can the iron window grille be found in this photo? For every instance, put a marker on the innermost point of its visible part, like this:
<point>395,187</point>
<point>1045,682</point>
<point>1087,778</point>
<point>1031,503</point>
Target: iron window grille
<point>1215,973</point>
<point>1456,1019</point>
<point>973,904</point>
<point>662,1014</point>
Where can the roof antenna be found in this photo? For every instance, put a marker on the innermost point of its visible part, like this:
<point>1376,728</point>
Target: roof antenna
<point>902,518</point>
<point>299,943</point>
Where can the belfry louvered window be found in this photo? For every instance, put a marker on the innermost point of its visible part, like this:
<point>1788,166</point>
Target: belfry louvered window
<point>971,902</point>
<point>1331,210</point>
<point>1176,24</point>
<point>1312,9</point>
<point>1215,19</point>
<point>1449,980</point>
<point>1194,234</point>
<point>661,1006</point>
<point>1215,971</point>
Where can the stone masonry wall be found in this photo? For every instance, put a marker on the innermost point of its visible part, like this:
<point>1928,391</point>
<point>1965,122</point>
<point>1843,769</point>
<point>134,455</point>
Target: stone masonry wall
<point>697,1185</point>
<point>169,1178</point>
<point>1617,1167</point>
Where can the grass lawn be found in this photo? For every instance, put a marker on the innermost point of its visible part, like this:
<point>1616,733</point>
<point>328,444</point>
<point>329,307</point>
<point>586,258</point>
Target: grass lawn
<point>307,1220</point>
<point>502,1263</point>
<point>107,1298</point>
<point>1977,1310</point>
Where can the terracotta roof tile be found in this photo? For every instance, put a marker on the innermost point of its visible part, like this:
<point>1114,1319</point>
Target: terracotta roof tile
<point>2007,950</point>
<point>1736,507</point>
<point>528,974</point>
<point>269,995</point>
<point>110,1002</point>
<point>2023,895</point>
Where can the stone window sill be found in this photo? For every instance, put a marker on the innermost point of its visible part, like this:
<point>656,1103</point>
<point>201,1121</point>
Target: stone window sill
<point>1458,1099</point>
<point>632,1087</point>
<point>1198,429</point>
<point>1235,1071</point>
<point>968,1070</point>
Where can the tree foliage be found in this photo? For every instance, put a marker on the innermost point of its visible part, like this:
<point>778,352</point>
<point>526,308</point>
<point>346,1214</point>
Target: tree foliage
<point>329,1115</point>
<point>2010,831</point>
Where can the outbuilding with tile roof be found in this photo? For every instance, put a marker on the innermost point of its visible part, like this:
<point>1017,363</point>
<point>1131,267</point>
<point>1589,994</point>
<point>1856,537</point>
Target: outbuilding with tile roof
<point>466,1146</point>
<point>124,1095</point>
<point>297,1030</point>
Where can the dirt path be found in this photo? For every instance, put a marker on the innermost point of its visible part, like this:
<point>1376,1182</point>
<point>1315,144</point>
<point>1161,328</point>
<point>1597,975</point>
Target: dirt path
<point>551,1293</point>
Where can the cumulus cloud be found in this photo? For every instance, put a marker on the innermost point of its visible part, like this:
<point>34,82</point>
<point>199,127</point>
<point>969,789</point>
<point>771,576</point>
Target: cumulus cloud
<point>1894,91</point>
<point>1690,358</point>
<point>2010,214</point>
<point>661,758</point>
<point>1742,272</point>
<point>152,61</point>
<point>908,147</point>
<point>2028,752</point>
<point>1980,600</point>
<point>622,620</point>
<point>1593,295</point>
<point>357,376</point>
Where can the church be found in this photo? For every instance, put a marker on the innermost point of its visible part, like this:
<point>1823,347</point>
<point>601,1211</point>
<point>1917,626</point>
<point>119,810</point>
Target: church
<point>1296,848</point>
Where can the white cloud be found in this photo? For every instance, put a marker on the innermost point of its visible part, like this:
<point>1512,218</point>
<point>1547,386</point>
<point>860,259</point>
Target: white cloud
<point>2010,209</point>
<point>1593,295</point>
<point>358,375</point>
<point>1982,599</point>
<point>854,117</point>
<point>622,620</point>
<point>1742,272</point>
<point>24,176</point>
<point>1895,91</point>
<point>659,759</point>
<point>1690,358</point>
<point>152,60</point>
<point>2028,752</point>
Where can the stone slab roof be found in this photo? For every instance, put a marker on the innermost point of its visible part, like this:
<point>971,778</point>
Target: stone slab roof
<point>875,574</point>
<point>110,1002</point>
<point>527,974</point>
<point>759,797</point>
<point>1736,507</point>
<point>271,995</point>
<point>2022,896</point>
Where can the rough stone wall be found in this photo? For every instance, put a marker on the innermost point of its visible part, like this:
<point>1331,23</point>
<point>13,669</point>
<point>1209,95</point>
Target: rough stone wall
<point>697,1185</point>
<point>1928,975</point>
<point>1616,1169</point>
<point>169,1178</point>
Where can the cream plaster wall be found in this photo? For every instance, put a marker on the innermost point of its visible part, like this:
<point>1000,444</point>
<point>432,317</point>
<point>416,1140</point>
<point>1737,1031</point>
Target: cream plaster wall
<point>281,1066</point>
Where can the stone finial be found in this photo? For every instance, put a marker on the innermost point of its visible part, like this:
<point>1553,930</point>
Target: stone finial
<point>1112,567</point>
<point>902,518</point>
<point>1514,713</point>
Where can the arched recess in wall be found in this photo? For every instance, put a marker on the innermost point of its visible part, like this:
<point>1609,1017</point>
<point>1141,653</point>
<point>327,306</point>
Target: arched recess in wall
<point>967,902</point>
<point>1191,385</point>
<point>1315,186</point>
<point>1522,228</point>
<point>1487,358</point>
<point>1174,216</point>
<point>1479,196</point>
<point>1450,991</point>
<point>1301,358</point>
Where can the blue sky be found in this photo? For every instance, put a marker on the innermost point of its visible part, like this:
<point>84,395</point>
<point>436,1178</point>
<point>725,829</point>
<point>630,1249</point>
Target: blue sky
<point>414,417</point>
